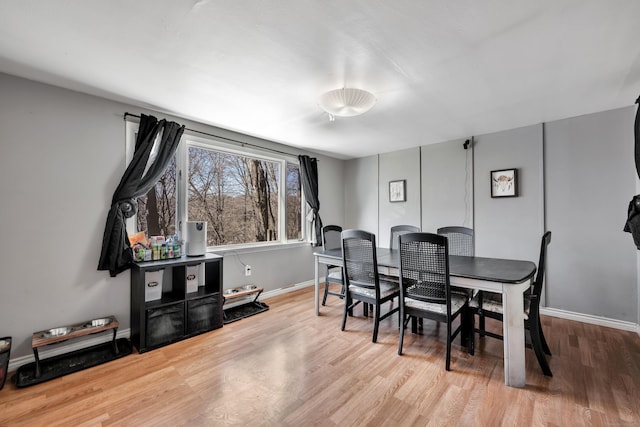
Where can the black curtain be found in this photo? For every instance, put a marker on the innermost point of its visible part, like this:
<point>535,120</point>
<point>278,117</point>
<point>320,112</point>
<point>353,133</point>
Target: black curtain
<point>309,176</point>
<point>633,212</point>
<point>116,255</point>
<point>636,134</point>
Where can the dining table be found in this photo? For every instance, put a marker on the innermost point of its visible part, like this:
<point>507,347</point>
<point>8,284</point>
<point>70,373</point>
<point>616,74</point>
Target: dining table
<point>508,277</point>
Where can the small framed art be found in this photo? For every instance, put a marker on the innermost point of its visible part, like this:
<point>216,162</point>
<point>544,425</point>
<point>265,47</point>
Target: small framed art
<point>504,183</point>
<point>397,191</point>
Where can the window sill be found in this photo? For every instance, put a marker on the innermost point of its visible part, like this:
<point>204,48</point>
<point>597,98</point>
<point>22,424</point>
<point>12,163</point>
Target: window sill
<point>267,247</point>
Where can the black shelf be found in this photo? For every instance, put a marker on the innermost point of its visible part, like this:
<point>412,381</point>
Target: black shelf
<point>178,314</point>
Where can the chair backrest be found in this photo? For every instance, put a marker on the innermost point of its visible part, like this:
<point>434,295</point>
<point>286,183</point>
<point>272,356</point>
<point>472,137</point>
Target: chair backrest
<point>360,259</point>
<point>461,240</point>
<point>424,268</point>
<point>331,237</point>
<point>536,289</point>
<point>399,230</point>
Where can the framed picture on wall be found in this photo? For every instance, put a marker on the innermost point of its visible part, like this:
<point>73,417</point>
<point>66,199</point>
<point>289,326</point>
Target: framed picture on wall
<point>397,191</point>
<point>504,183</point>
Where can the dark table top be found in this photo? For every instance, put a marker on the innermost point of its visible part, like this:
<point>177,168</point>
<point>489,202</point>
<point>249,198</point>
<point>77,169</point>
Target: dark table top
<point>491,269</point>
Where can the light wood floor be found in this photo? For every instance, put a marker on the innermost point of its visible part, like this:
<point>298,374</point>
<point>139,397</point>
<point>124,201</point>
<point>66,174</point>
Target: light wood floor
<point>287,367</point>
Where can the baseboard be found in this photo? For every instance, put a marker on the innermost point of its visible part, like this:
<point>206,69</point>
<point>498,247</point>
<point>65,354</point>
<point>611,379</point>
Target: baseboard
<point>126,333</point>
<point>588,318</point>
<point>268,294</point>
<point>287,289</point>
<point>73,345</point>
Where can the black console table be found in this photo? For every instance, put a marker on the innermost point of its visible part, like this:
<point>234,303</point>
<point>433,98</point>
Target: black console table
<point>179,311</point>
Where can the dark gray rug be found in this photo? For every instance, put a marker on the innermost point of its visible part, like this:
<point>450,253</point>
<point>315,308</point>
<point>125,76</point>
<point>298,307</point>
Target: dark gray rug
<point>245,310</point>
<point>68,363</point>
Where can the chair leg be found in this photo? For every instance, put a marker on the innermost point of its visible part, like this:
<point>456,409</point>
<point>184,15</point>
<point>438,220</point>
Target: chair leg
<point>376,321</point>
<point>536,343</point>
<point>545,346</point>
<point>471,336</point>
<point>448,360</point>
<point>326,292</point>
<point>347,303</point>
<point>480,316</point>
<point>402,326</point>
<point>365,309</point>
<point>414,325</point>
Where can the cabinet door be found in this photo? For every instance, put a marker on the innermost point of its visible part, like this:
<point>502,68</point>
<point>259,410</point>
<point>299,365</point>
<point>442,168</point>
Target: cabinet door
<point>165,324</point>
<point>203,314</point>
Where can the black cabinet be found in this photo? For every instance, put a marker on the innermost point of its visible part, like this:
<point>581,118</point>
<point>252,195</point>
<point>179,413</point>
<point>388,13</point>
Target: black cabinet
<point>167,305</point>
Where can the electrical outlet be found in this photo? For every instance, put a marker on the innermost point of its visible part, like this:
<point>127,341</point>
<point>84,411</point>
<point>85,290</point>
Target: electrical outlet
<point>247,270</point>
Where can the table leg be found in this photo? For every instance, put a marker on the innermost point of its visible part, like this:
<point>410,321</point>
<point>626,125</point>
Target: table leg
<point>317,288</point>
<point>513,333</point>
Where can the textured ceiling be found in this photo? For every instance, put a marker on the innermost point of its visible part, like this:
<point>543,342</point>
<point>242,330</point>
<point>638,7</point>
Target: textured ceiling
<point>440,70</point>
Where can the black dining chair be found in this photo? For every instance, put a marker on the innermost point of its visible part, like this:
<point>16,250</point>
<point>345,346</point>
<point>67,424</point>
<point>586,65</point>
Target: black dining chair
<point>399,230</point>
<point>489,304</point>
<point>331,239</point>
<point>362,281</point>
<point>461,240</point>
<point>425,289</point>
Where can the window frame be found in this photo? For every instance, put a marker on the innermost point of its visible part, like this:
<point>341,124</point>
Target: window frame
<point>192,139</point>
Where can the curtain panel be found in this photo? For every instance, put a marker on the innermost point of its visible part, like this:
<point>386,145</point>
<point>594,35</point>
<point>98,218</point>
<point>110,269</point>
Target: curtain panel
<point>140,176</point>
<point>633,212</point>
<point>309,176</point>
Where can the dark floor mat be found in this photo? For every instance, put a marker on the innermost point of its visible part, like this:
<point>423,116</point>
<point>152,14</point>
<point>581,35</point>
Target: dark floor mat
<point>245,310</point>
<point>68,363</point>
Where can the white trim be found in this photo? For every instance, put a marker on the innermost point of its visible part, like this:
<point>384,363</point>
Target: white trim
<point>192,138</point>
<point>588,318</point>
<point>260,247</point>
<point>543,198</point>
<point>287,289</point>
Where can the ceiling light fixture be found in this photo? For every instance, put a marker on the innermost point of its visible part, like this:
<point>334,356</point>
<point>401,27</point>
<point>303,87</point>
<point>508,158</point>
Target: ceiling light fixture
<point>347,102</point>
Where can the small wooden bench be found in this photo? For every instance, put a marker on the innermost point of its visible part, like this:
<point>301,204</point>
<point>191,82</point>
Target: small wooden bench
<point>242,292</point>
<point>60,334</point>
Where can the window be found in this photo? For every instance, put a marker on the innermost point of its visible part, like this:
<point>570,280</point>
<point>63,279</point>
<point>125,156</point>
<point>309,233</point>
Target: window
<point>246,197</point>
<point>157,209</point>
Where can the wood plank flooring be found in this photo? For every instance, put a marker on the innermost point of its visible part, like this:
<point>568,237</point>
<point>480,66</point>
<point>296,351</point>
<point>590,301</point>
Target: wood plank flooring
<point>287,367</point>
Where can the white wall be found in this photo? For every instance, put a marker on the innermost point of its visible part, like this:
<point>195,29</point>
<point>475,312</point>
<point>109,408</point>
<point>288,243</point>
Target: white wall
<point>447,185</point>
<point>62,157</point>
<point>590,179</point>
<point>399,165</point>
<point>509,227</point>
<point>576,178</point>
<point>63,154</point>
<point>361,194</point>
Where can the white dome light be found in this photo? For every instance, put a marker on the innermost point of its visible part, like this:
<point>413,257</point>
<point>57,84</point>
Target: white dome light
<point>347,102</point>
